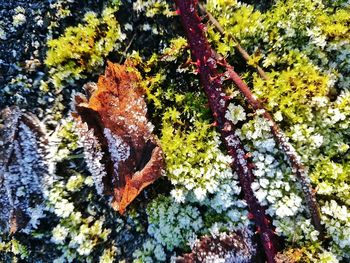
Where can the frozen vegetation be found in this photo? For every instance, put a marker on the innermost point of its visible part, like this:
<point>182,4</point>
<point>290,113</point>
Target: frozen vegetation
<point>123,141</point>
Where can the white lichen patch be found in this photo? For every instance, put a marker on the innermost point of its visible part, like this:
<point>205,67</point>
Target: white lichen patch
<point>275,185</point>
<point>337,222</point>
<point>172,224</point>
<point>235,113</point>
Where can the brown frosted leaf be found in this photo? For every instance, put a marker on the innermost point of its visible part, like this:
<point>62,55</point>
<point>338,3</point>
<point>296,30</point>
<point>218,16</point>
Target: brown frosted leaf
<point>26,170</point>
<point>120,150</point>
<point>222,247</point>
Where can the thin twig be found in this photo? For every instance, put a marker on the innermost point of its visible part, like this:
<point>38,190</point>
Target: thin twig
<point>127,48</point>
<point>295,161</point>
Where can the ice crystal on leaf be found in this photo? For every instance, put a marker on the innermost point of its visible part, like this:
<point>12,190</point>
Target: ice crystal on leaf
<point>120,150</point>
<point>222,247</point>
<point>26,170</point>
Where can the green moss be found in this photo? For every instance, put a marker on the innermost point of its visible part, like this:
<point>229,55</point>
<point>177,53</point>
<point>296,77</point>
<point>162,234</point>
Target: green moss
<point>291,91</point>
<point>190,143</point>
<point>13,250</point>
<point>68,138</point>
<point>327,174</point>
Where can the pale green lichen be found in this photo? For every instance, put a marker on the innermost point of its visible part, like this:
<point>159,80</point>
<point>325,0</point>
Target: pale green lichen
<point>172,224</point>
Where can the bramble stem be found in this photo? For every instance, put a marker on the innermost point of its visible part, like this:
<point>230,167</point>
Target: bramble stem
<point>206,61</point>
<point>297,167</point>
<point>280,138</point>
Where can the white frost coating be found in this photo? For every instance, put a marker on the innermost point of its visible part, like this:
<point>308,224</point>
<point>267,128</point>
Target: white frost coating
<point>118,149</point>
<point>30,154</point>
<point>93,156</point>
<point>235,113</point>
<point>232,141</point>
<point>24,170</point>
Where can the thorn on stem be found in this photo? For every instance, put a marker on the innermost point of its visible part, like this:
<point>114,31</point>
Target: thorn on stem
<point>258,230</point>
<point>247,155</point>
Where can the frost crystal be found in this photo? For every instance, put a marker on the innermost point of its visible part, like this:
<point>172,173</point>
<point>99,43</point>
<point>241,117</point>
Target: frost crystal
<point>118,149</point>
<point>93,156</point>
<point>26,170</point>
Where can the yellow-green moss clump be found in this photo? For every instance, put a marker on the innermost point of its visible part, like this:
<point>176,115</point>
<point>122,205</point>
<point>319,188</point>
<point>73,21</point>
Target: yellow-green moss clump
<point>291,90</point>
<point>82,49</point>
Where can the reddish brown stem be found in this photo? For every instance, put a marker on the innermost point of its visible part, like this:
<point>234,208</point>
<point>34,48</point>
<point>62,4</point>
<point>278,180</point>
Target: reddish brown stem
<point>293,158</point>
<point>212,82</point>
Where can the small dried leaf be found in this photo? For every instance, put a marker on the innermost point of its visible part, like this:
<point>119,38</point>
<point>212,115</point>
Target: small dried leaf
<point>291,255</point>
<point>26,170</point>
<point>120,150</point>
<point>221,247</point>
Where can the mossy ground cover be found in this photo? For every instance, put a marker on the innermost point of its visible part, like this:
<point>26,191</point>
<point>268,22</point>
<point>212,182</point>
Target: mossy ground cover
<point>304,48</point>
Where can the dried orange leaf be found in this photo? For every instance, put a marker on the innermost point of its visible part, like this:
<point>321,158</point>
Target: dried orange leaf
<point>120,150</point>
